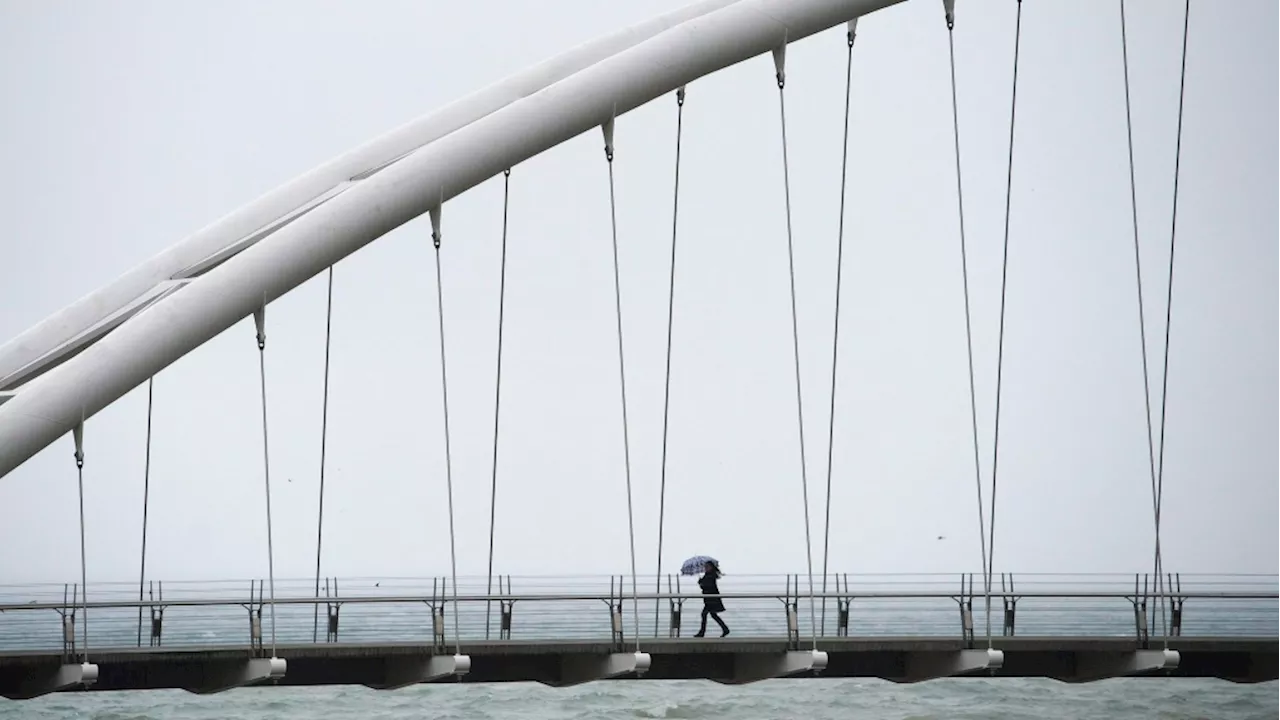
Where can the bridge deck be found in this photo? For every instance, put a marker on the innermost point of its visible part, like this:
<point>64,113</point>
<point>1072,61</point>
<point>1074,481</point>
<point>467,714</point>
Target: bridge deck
<point>199,638</point>
<point>1071,659</point>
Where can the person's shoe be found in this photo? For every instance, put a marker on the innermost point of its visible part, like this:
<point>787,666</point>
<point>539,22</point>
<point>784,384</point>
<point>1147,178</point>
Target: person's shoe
<point>724,634</point>
<point>700,634</point>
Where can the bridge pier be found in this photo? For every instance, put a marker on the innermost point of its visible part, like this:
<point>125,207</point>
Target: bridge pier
<point>578,669</point>
<point>401,672</point>
<point>753,667</point>
<point>56,679</point>
<point>220,676</point>
<point>933,665</point>
<point>1099,666</point>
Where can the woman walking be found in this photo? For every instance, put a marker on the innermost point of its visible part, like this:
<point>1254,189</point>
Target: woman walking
<point>712,606</point>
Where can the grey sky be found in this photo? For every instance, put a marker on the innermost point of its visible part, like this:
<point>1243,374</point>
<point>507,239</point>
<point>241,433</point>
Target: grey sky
<point>130,125</point>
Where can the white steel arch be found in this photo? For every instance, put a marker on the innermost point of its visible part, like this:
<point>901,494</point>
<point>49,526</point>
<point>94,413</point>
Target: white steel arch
<point>67,368</point>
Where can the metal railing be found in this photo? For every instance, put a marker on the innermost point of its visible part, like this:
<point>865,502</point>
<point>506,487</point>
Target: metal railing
<point>570,608</point>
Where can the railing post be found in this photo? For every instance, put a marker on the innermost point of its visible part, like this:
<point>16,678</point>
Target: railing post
<point>1140,610</point>
<point>255,618</point>
<point>617,629</point>
<point>842,607</point>
<point>1175,605</point>
<point>437,611</point>
<point>505,608</point>
<point>332,610</point>
<point>792,603</point>
<point>68,614</point>
<point>675,609</point>
<point>157,615</point>
<point>1010,606</point>
<point>966,611</point>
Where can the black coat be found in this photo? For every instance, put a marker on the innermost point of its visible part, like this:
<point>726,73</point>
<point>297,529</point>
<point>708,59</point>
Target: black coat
<point>708,584</point>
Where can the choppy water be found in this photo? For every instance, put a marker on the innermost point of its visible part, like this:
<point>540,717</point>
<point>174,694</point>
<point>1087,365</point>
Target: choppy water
<point>950,699</point>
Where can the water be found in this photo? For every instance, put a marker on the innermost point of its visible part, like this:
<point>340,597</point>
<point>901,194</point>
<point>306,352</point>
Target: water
<point>948,699</point>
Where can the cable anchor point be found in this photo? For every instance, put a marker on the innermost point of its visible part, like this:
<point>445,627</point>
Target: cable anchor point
<point>435,225</point>
<point>260,323</point>
<point>950,7</point>
<point>607,129</point>
<point>852,32</point>
<point>77,433</point>
<point>780,63</point>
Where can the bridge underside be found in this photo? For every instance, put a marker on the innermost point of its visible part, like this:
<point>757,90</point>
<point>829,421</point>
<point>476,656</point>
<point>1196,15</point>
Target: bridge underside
<point>729,661</point>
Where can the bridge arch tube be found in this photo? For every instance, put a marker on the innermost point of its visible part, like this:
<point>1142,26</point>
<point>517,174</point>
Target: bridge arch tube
<point>82,314</point>
<point>52,404</point>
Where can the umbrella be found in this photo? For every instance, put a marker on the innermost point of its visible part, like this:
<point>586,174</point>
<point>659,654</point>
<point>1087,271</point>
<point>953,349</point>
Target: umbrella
<point>696,564</point>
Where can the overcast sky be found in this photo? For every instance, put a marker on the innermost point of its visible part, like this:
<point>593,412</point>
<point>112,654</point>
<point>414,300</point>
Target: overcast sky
<point>129,125</point>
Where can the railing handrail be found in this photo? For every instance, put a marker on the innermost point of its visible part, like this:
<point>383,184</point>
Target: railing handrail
<point>1029,582</point>
<point>443,599</point>
<point>1250,578</point>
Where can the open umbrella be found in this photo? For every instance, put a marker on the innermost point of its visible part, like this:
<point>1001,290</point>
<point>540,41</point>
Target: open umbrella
<point>697,564</point>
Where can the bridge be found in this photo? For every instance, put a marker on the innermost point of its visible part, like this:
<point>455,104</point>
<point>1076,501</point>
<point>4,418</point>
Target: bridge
<point>90,634</point>
<point>562,631</point>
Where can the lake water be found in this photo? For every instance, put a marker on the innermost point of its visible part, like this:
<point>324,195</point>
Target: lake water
<point>948,699</point>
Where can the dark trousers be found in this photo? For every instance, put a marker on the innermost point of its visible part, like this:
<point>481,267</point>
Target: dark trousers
<point>702,630</point>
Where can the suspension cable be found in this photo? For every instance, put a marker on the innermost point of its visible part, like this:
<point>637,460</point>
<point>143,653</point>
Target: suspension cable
<point>497,391</point>
<point>835,332</point>
<point>795,337</point>
<point>1004,276</point>
<point>1137,264</point>
<point>146,492</point>
<point>1164,391</point>
<point>444,398</point>
<point>666,388</point>
<point>968,323</point>
<point>78,434</point>
<point>324,435</point>
<point>622,381</point>
<point>260,321</point>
